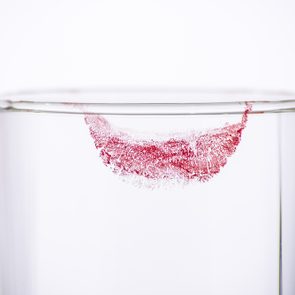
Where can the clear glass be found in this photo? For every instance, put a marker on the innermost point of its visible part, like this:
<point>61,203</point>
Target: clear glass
<point>83,219</point>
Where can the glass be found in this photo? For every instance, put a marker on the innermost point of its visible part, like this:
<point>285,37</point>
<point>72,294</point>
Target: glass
<point>147,191</point>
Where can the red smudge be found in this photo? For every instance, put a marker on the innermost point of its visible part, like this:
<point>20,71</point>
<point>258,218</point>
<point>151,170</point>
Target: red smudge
<point>197,157</point>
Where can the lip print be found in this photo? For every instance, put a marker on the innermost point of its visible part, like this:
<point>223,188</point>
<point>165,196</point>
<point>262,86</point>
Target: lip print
<point>198,156</point>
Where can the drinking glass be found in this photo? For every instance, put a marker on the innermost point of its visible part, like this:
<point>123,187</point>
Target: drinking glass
<point>147,192</point>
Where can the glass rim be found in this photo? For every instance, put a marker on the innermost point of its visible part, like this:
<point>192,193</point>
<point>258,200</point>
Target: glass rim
<point>148,101</point>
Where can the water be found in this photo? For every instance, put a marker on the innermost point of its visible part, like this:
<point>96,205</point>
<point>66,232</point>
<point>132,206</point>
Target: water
<point>72,226</point>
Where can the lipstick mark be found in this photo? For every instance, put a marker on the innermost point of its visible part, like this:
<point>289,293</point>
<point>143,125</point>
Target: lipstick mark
<point>197,156</point>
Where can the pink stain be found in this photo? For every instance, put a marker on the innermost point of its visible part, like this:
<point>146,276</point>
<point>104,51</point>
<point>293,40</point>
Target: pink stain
<point>195,157</point>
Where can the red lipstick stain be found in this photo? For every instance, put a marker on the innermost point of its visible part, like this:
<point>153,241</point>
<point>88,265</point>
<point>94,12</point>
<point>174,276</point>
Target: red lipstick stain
<point>199,156</point>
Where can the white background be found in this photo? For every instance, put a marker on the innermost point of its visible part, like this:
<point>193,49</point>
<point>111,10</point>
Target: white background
<point>228,43</point>
<point>63,43</point>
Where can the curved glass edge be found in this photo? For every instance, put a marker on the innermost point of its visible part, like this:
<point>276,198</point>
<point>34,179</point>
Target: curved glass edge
<point>148,101</point>
<point>149,108</point>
